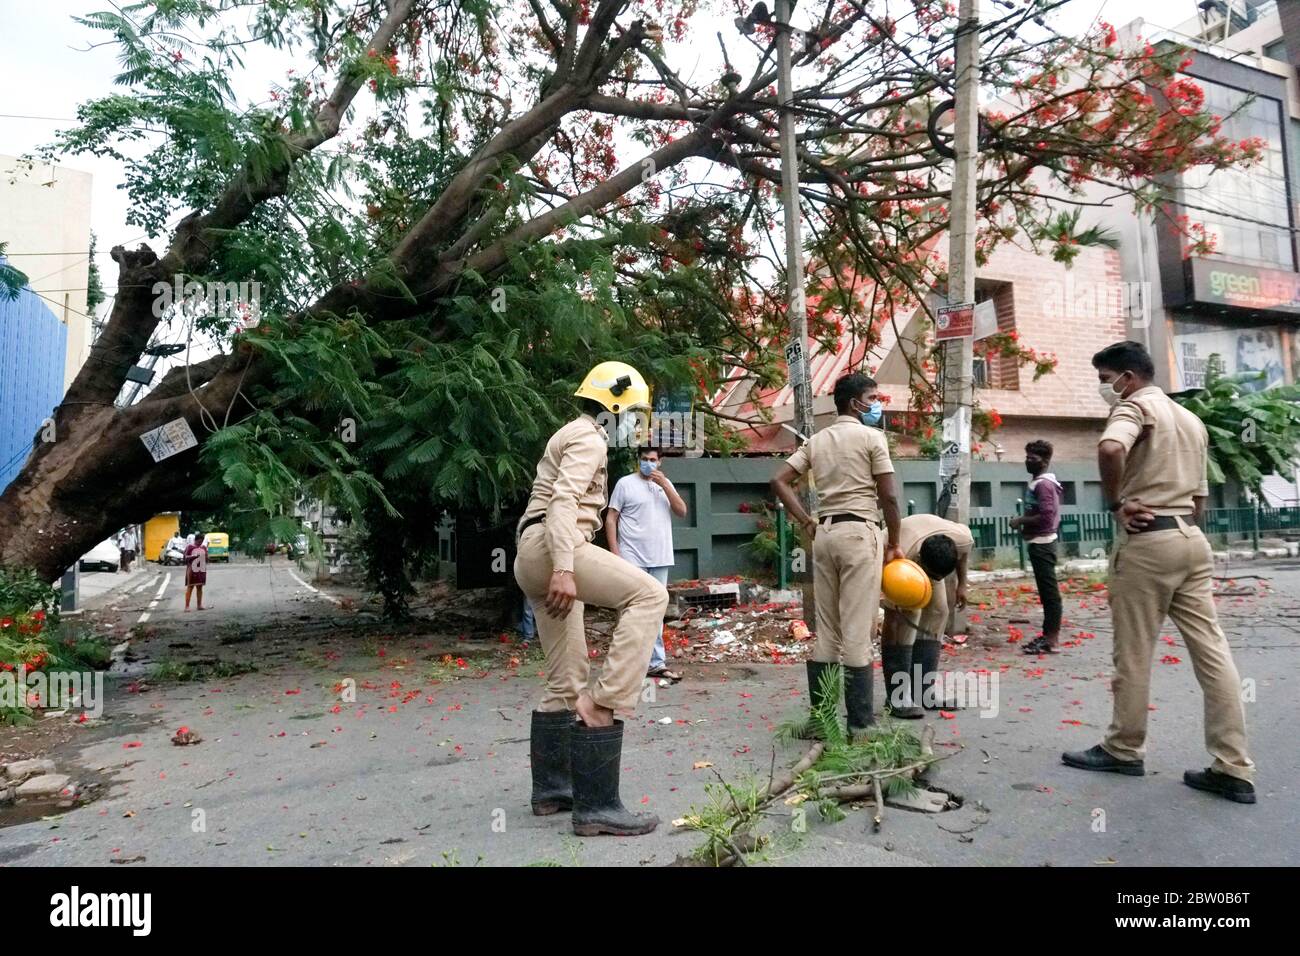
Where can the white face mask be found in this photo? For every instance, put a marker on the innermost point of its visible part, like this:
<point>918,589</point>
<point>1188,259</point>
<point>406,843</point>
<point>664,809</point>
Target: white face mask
<point>1108,394</point>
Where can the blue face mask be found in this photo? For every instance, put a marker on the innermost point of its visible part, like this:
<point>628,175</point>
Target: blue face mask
<point>872,416</point>
<point>648,467</point>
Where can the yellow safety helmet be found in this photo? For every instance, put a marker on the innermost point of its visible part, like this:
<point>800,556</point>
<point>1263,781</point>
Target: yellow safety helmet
<point>905,585</point>
<point>616,386</point>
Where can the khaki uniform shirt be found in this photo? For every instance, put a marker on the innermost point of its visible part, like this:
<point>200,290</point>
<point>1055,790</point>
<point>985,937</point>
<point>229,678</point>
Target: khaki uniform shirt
<point>844,459</point>
<point>570,488</point>
<point>914,529</point>
<point>1168,451</point>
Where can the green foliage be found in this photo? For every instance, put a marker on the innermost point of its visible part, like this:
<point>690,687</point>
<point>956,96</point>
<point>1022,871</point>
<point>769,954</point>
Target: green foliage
<point>729,812</point>
<point>1068,240</point>
<point>22,591</point>
<point>94,285</point>
<point>12,281</point>
<point>886,746</point>
<point>825,718</point>
<point>732,810</point>
<point>33,638</point>
<point>1252,433</point>
<point>765,546</point>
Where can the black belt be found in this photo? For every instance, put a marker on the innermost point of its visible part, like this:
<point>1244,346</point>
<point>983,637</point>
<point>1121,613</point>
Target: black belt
<point>836,519</point>
<point>1160,523</point>
<point>535,519</point>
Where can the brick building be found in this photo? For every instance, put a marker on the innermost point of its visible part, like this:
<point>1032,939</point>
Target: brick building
<point>1069,313</point>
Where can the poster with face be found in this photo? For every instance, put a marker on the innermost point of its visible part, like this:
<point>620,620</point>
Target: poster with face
<point>1240,350</point>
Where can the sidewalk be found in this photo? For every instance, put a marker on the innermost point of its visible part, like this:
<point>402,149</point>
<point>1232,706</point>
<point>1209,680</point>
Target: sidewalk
<point>1270,548</point>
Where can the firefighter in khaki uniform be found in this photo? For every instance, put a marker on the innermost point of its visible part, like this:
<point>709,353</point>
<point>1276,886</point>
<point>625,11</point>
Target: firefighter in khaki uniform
<point>854,478</point>
<point>911,640</point>
<point>1153,457</point>
<point>576,764</point>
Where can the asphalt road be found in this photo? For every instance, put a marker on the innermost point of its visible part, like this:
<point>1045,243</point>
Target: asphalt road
<point>419,772</point>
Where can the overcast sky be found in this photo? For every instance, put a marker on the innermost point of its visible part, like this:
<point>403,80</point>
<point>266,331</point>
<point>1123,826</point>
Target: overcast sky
<point>48,66</point>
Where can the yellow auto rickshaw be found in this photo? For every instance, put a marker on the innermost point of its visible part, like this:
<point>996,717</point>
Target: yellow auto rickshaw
<point>218,543</point>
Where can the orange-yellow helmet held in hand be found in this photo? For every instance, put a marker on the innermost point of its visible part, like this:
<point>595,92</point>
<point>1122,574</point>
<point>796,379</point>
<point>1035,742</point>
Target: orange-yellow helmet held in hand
<point>905,585</point>
<point>616,386</point>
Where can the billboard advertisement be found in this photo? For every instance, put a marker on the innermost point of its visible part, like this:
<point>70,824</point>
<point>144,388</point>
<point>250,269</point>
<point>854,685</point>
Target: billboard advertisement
<point>1239,350</point>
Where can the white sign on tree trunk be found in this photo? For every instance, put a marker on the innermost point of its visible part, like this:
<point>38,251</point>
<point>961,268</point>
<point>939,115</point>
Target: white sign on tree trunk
<point>170,439</point>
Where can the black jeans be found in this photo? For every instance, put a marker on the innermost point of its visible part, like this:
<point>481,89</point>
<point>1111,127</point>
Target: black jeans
<point>1043,559</point>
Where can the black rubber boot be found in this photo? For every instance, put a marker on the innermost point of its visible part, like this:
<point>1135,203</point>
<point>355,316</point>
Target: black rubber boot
<point>857,699</point>
<point>812,729</point>
<point>897,665</point>
<point>925,666</point>
<point>552,778</point>
<point>597,758</point>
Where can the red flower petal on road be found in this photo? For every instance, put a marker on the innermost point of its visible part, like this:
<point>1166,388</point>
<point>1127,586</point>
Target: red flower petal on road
<point>132,745</point>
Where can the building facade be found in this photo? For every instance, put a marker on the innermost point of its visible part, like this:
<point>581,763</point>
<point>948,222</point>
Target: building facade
<point>45,225</point>
<point>1066,312</point>
<point>1239,300</point>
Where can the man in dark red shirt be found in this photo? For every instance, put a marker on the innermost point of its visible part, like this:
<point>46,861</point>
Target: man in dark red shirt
<point>1038,525</point>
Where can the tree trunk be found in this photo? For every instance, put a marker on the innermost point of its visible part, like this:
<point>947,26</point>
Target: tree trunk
<point>91,474</point>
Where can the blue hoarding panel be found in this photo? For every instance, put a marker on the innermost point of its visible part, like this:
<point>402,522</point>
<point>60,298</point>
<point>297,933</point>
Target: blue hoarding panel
<point>33,345</point>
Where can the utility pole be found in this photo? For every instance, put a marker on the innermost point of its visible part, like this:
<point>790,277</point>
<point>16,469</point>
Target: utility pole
<point>958,356</point>
<point>796,352</point>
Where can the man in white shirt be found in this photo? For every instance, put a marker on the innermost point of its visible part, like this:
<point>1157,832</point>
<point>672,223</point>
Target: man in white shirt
<point>640,529</point>
<point>175,543</point>
<point>128,543</point>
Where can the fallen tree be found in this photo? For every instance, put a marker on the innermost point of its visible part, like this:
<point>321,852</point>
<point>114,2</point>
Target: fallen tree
<point>521,192</point>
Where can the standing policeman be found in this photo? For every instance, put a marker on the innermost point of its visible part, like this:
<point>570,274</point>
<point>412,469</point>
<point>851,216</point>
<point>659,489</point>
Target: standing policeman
<point>854,478</point>
<point>576,765</point>
<point>1153,457</point>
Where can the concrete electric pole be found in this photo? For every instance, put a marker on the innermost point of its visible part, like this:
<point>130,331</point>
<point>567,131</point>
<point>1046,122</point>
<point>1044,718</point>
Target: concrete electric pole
<point>958,358</point>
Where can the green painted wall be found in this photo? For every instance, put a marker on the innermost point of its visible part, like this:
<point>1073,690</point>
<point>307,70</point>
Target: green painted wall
<point>709,541</point>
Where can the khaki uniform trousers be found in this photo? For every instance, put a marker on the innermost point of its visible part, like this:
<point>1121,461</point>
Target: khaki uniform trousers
<point>606,581</point>
<point>846,576</point>
<point>1159,573</point>
<point>930,623</point>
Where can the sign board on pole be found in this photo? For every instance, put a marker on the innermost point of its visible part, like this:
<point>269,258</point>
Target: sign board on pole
<point>986,319</point>
<point>955,321</point>
<point>170,439</point>
<point>795,363</point>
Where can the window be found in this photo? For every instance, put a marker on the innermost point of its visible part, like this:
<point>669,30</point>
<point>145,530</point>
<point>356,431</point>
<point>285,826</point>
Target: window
<point>998,371</point>
<point>1068,495</point>
<point>1247,208</point>
<point>981,494</point>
